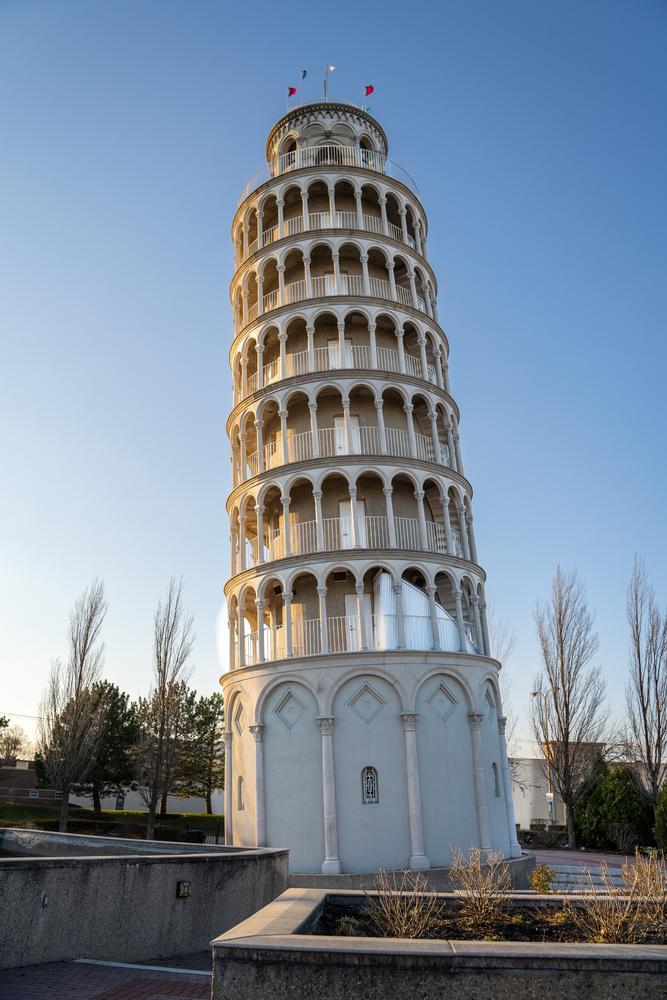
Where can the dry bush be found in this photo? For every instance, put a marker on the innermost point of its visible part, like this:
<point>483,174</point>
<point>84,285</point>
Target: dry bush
<point>624,835</point>
<point>647,878</point>
<point>547,836</point>
<point>350,927</point>
<point>541,879</point>
<point>482,884</point>
<point>404,909</point>
<point>609,915</point>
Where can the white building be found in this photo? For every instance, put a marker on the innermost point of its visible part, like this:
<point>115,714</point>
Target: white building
<point>365,724</point>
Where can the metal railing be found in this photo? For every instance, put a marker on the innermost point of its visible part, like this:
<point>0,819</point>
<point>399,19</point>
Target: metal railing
<point>325,156</point>
<point>322,220</point>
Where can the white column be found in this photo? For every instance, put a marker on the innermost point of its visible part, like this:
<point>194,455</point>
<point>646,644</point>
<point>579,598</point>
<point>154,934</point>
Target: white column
<point>391,524</point>
<point>282,337</point>
<point>360,214</point>
<point>392,280</point>
<point>464,530</point>
<point>317,495</point>
<point>260,366</point>
<point>422,355</point>
<point>244,378</point>
<point>229,785</point>
<point>324,642</point>
<point>413,288</point>
<point>444,500</point>
<point>240,632</point>
<point>383,212</point>
<point>304,206</point>
<point>342,356</point>
<point>485,628</point>
<point>283,414</point>
<point>287,624</point>
<point>359,587</point>
<point>260,294</point>
<point>243,437</point>
<point>309,284</point>
<point>259,604</point>
<point>450,445</point>
<point>338,288</point>
<point>438,369</point>
<point>287,528</point>
<point>259,510</point>
<point>364,269</point>
<point>348,426</point>
<point>310,330</point>
<point>244,296</point>
<point>404,225</point>
<point>445,376</point>
<point>401,350</point>
<point>374,354</point>
<point>418,860</point>
<point>260,795</point>
<point>355,517</point>
<point>424,250</point>
<point>281,283</point>
<point>459,460</point>
<point>400,623</point>
<point>332,206</point>
<point>234,542</point>
<point>459,622</point>
<point>313,429</point>
<point>246,230</point>
<point>419,497</point>
<point>418,242</point>
<point>260,230</point>
<point>281,204</point>
<point>479,639</point>
<point>259,424</point>
<point>411,430</point>
<point>236,479</point>
<point>475,721</point>
<point>242,521</point>
<point>515,847</point>
<point>433,417</point>
<point>332,865</point>
<point>426,291</point>
<point>471,539</point>
<point>379,403</point>
<point>231,622</point>
<point>434,618</point>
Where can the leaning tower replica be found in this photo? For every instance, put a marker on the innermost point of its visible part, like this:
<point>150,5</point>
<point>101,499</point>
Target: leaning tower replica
<point>364,722</point>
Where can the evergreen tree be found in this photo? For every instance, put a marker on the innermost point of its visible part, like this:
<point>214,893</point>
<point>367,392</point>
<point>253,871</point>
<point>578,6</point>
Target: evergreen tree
<point>589,812</point>
<point>660,828</point>
<point>202,768</point>
<point>114,769</point>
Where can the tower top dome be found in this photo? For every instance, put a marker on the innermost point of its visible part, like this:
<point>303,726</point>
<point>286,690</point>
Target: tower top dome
<point>326,123</point>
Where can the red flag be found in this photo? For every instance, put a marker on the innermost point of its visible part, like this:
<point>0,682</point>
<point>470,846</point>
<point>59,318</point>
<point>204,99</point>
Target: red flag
<point>368,90</point>
<point>292,90</point>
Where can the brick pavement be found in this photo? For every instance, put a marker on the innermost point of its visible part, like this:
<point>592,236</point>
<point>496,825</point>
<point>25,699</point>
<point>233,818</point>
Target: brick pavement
<point>71,981</point>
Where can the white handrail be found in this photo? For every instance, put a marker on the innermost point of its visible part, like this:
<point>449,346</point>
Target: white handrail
<point>339,156</point>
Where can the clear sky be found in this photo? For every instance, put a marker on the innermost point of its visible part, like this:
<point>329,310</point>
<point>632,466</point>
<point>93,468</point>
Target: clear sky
<point>536,133</point>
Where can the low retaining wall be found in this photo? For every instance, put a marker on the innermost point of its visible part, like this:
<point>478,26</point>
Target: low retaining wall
<point>125,907</point>
<point>272,956</point>
<point>436,878</point>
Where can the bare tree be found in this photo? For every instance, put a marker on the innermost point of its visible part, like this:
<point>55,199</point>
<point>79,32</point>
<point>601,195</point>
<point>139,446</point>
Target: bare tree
<point>14,744</point>
<point>161,716</point>
<point>646,690</point>
<point>71,715</point>
<point>568,715</point>
<point>502,643</point>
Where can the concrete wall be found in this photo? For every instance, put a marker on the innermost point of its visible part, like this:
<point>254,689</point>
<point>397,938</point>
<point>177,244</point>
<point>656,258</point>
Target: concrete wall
<point>125,908</point>
<point>135,803</point>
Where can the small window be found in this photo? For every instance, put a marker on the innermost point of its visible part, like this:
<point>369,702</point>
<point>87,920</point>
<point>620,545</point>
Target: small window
<point>241,795</point>
<point>369,786</point>
<point>34,793</point>
<point>59,795</point>
<point>496,783</point>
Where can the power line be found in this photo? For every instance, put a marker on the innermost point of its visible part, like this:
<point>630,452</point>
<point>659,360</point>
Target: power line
<point>16,715</point>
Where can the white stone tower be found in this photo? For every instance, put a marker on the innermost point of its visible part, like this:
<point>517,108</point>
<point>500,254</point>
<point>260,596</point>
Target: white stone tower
<point>364,721</point>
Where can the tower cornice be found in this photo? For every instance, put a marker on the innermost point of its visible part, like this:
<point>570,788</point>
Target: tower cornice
<point>309,114</point>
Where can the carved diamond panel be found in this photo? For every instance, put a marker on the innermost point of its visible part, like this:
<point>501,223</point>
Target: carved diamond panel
<point>366,704</point>
<point>443,702</point>
<point>239,719</point>
<point>491,706</point>
<point>289,710</point>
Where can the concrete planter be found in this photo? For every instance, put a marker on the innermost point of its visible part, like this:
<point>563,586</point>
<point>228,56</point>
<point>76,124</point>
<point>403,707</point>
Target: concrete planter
<point>272,956</point>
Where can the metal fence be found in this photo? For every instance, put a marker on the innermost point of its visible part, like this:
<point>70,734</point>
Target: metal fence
<point>192,833</point>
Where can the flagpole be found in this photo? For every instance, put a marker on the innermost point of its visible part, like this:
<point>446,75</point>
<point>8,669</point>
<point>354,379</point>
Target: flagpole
<point>326,76</point>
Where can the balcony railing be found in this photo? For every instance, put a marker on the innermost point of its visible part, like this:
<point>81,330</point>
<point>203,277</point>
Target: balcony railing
<point>325,359</point>
<point>325,156</point>
<point>329,284</point>
<point>324,220</point>
<point>338,533</point>
<point>346,634</point>
<point>333,441</point>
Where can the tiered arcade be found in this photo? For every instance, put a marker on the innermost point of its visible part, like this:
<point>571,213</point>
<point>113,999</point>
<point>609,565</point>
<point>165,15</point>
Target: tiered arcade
<point>365,727</point>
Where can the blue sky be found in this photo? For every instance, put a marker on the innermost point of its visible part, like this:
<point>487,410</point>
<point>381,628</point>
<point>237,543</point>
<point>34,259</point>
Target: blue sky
<point>536,134</point>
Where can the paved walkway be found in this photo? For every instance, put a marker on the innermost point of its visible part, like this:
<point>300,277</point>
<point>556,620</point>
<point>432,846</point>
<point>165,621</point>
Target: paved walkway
<point>74,981</point>
<point>585,858</point>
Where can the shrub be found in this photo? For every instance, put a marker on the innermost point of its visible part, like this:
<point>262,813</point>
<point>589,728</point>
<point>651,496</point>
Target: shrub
<point>623,804</point>
<point>482,884</point>
<point>609,916</point>
<point>405,909</point>
<point>542,878</point>
<point>589,818</point>
<point>660,828</point>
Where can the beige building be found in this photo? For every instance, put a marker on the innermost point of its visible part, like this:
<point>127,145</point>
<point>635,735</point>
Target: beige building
<point>365,723</point>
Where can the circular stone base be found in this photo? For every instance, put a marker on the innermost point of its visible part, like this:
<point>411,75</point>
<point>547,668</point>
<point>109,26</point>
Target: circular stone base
<point>436,878</point>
